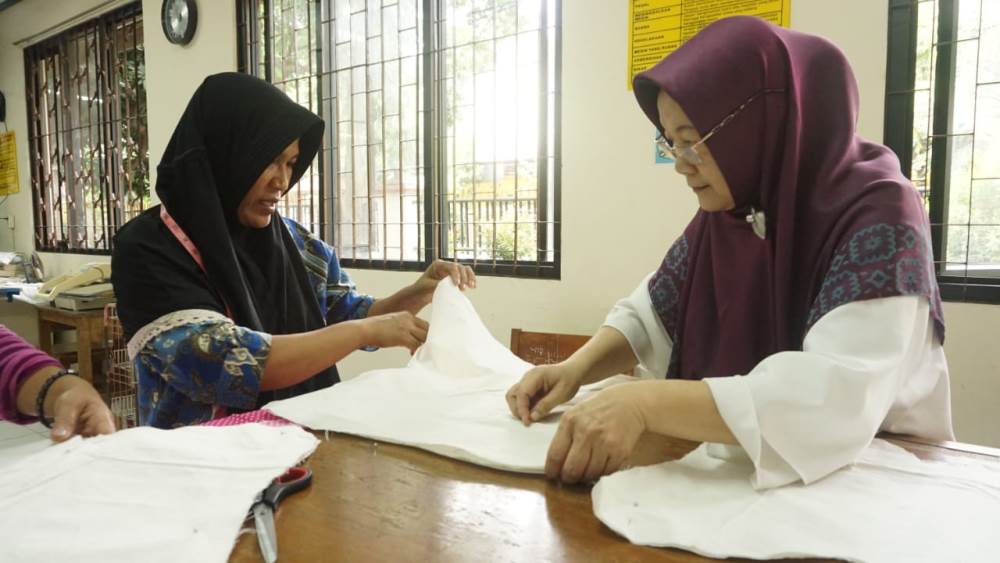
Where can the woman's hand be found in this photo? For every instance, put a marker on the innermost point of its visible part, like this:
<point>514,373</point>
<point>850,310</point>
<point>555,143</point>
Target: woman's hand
<point>542,389</point>
<point>394,329</point>
<point>415,297</point>
<point>77,409</point>
<point>597,436</point>
<point>460,274</point>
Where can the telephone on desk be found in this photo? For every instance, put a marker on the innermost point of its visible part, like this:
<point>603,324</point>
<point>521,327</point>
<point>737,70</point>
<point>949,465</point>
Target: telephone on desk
<point>88,274</point>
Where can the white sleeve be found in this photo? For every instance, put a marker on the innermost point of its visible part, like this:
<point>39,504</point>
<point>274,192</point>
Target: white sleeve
<point>802,415</point>
<point>636,319</point>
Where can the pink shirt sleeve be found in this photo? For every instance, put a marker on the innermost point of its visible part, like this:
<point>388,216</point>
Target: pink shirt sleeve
<point>18,360</point>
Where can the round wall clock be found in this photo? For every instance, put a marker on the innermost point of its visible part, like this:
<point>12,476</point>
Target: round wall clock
<point>179,19</point>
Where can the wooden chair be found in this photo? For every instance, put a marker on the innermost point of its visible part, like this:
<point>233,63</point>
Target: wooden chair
<point>544,347</point>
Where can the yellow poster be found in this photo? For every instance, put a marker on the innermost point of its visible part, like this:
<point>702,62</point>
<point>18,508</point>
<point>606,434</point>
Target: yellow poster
<point>657,27</point>
<point>8,164</point>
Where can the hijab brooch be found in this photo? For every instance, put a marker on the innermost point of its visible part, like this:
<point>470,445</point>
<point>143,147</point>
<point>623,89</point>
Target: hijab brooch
<point>758,221</point>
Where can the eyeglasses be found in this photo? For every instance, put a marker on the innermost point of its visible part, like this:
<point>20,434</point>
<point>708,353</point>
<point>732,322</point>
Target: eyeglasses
<point>689,153</point>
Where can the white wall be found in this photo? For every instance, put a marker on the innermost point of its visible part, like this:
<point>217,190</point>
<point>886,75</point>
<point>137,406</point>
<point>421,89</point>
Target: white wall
<point>620,211</point>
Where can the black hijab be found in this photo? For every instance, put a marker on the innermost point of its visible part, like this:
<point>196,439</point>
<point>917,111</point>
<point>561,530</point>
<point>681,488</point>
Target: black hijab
<point>234,126</point>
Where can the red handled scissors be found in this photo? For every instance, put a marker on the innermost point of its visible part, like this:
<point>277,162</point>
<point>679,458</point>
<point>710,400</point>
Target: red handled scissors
<point>293,480</point>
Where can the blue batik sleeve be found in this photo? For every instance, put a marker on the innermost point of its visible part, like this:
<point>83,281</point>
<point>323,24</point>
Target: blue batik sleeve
<point>213,362</point>
<point>344,302</point>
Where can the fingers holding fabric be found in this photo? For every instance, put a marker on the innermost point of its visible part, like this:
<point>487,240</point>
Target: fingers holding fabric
<point>395,329</point>
<point>596,437</point>
<point>540,390</point>
<point>78,410</point>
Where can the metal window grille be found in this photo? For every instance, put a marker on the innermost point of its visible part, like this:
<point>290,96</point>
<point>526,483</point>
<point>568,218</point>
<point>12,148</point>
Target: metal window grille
<point>442,126</point>
<point>943,120</point>
<point>87,132</point>
<point>279,43</point>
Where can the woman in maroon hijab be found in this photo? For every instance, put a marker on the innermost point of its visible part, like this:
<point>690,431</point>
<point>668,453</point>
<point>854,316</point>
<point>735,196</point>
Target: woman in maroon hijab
<point>798,314</point>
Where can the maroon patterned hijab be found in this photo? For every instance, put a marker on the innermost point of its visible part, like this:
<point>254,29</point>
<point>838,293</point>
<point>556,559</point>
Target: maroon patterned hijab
<point>842,222</point>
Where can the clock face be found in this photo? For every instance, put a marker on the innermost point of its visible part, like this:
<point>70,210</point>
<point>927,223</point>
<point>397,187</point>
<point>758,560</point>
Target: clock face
<point>179,18</point>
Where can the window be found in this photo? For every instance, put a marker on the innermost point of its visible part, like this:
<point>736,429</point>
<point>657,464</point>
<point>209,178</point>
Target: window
<point>442,117</point>
<point>87,132</point>
<point>279,43</point>
<point>943,120</point>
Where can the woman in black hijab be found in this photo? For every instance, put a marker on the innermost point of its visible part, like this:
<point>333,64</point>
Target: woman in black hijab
<point>226,305</point>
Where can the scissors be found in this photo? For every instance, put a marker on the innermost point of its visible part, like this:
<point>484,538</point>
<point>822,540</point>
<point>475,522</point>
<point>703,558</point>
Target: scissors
<point>266,503</point>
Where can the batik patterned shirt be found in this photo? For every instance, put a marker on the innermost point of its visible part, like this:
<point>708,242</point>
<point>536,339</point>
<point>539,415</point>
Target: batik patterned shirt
<point>194,365</point>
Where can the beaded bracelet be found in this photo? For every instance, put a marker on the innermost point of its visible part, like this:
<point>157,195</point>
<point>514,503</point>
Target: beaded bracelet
<point>40,401</point>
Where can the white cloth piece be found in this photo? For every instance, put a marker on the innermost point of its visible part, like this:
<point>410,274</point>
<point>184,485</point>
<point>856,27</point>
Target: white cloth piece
<point>449,399</point>
<point>865,366</point>
<point>887,508</point>
<point>18,441</point>
<point>142,494</point>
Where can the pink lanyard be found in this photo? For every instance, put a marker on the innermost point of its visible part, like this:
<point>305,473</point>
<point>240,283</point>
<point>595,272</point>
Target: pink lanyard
<point>187,244</point>
<point>218,411</point>
<point>181,237</point>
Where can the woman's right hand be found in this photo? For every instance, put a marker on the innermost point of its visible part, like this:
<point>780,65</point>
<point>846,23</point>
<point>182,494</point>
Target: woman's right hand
<point>395,329</point>
<point>543,388</point>
<point>77,408</point>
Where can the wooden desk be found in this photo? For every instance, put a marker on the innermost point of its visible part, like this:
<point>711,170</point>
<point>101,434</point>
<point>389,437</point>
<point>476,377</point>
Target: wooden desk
<point>89,326</point>
<point>380,502</point>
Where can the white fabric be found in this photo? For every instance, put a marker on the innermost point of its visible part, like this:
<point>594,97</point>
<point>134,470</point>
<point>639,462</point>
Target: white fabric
<point>449,399</point>
<point>875,365</point>
<point>19,441</point>
<point>889,507</point>
<point>865,366</point>
<point>142,494</point>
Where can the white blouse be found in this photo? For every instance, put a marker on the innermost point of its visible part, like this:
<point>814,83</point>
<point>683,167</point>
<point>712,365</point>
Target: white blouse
<point>865,366</point>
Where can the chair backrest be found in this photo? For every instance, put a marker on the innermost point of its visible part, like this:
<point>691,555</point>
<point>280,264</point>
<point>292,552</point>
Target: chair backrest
<point>544,347</point>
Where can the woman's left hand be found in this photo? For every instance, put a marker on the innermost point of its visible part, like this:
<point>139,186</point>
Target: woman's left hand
<point>462,275</point>
<point>597,436</point>
<point>415,297</point>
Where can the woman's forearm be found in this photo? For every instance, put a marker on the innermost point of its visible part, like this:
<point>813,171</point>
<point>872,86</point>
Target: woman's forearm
<point>607,353</point>
<point>294,358</point>
<point>682,409</point>
<point>407,299</point>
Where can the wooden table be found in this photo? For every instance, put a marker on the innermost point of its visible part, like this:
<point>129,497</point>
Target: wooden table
<point>89,326</point>
<point>372,501</point>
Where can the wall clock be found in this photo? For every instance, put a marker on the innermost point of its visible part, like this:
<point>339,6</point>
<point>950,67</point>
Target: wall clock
<point>179,19</point>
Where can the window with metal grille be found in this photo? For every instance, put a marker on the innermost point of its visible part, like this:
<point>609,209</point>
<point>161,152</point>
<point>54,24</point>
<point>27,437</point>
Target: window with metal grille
<point>87,132</point>
<point>943,120</point>
<point>442,117</point>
